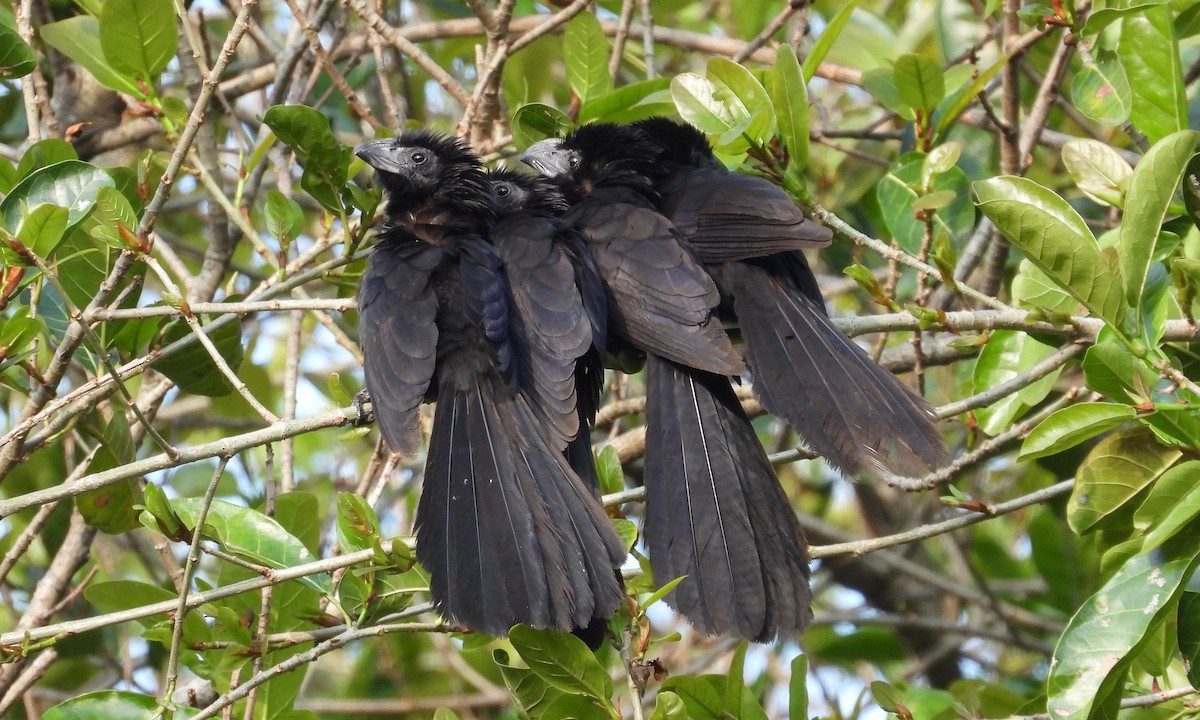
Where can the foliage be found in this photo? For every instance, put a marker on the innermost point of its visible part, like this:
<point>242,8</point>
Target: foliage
<point>191,521</point>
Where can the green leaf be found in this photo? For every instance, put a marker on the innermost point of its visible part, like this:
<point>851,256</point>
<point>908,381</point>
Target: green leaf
<point>798,689</point>
<point>1098,170</point>
<point>43,229</point>
<point>118,595</point>
<point>938,161</point>
<point>16,58</point>
<point>192,368</point>
<point>1114,472</point>
<point>622,101</point>
<point>1103,637</point>
<point>669,706</point>
<point>285,219</point>
<point>1009,353</point>
<point>1101,91</point>
<point>445,714</point>
<point>536,121</point>
<point>1151,189</point>
<point>790,99</point>
<point>326,161</point>
<point>738,698</point>
<point>585,53</point>
<point>957,103</point>
<point>79,39</point>
<point>71,184</point>
<point>112,509</point>
<point>898,200</point>
<point>1072,425</point>
<point>1173,503</point>
<point>112,213</point>
<point>357,526</point>
<point>728,102</point>
<point>1033,289</point>
<point>608,468</point>
<point>250,535</point>
<point>701,694</point>
<point>1189,635</point>
<point>138,36</point>
<point>881,83</point>
<point>43,153</point>
<point>110,705</point>
<point>827,39</point>
<point>1055,239</point>
<point>919,81</point>
<point>563,661</point>
<point>1150,54</point>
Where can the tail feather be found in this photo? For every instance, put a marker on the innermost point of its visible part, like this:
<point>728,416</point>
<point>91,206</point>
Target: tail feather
<point>508,532</point>
<point>855,413</point>
<point>715,511</point>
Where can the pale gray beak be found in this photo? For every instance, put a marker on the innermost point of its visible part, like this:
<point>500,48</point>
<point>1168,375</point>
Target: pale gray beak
<point>379,154</point>
<point>548,157</point>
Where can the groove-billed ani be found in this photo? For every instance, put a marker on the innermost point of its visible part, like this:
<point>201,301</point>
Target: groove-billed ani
<point>749,234</point>
<point>508,533</point>
<point>714,509</point>
<point>556,283</point>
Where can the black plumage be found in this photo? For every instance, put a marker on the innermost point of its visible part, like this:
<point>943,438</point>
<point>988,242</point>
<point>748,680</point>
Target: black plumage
<point>507,531</point>
<point>714,509</point>
<point>750,234</point>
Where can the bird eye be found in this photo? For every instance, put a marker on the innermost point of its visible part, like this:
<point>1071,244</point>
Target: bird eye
<point>573,161</point>
<point>419,158</point>
<point>502,190</point>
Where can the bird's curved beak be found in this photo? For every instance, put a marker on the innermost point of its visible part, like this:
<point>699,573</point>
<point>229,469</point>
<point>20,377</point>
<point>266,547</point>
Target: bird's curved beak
<point>548,157</point>
<point>379,154</point>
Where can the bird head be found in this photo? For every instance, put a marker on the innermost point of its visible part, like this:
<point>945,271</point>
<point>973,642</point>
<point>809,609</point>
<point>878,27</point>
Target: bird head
<point>514,192</point>
<point>418,165</point>
<point>552,158</point>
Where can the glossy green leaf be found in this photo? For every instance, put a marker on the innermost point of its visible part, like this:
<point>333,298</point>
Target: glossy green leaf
<point>708,104</point>
<point>1189,635</point>
<point>919,81</point>
<point>701,694</point>
<point>608,469</point>
<point>1114,472</point>
<point>251,535</point>
<point>623,102</point>
<point>1101,91</point>
<point>43,153</point>
<point>585,53</point>
<point>535,122</point>
<point>71,184</point>
<point>43,229</point>
<point>110,705</point>
<point>669,706</point>
<point>1033,289</point>
<point>1098,170</point>
<point>192,368</point>
<point>112,509</point>
<point>1101,640</point>
<point>138,37</point>
<point>939,160</point>
<point>899,201</point>
<point>789,96</point>
<point>79,39</point>
<point>1150,54</point>
<point>326,161</point>
<point>1072,425</point>
<point>1054,237</point>
<point>1151,189</point>
<point>112,212</point>
<point>563,661</point>
<point>1171,506</point>
<point>16,58</point>
<point>827,39</point>
<point>539,699</point>
<point>1009,353</point>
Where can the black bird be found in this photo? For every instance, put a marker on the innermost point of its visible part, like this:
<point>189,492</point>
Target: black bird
<point>749,235</point>
<point>508,532</point>
<point>714,509</point>
<point>557,287</point>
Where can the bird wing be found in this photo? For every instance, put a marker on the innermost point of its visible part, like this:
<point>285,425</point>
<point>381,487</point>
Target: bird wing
<point>732,216</point>
<point>661,298</point>
<point>398,331</point>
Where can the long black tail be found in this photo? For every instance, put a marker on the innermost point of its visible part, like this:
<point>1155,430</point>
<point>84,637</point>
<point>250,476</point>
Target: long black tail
<point>715,511</point>
<point>508,533</point>
<point>856,414</point>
